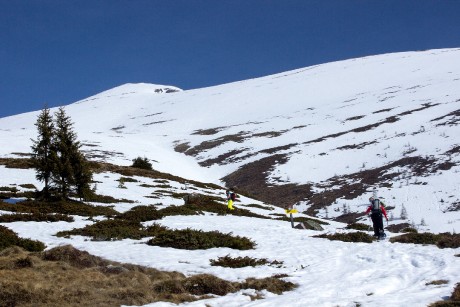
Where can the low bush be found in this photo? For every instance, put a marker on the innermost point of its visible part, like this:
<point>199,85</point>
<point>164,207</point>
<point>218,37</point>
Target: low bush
<point>456,293</point>
<point>240,262</point>
<point>208,284</point>
<point>127,179</point>
<point>299,219</point>
<point>106,199</point>
<point>9,189</point>
<point>272,284</point>
<point>64,207</point>
<point>9,238</point>
<point>398,227</point>
<point>200,203</point>
<point>142,163</point>
<point>21,163</point>
<point>442,240</point>
<point>29,186</point>
<point>141,214</point>
<point>34,217</point>
<point>358,226</point>
<point>144,185</point>
<point>74,257</point>
<point>409,229</point>
<point>197,239</point>
<point>437,282</point>
<point>448,240</point>
<point>348,237</point>
<point>118,229</point>
<point>453,301</point>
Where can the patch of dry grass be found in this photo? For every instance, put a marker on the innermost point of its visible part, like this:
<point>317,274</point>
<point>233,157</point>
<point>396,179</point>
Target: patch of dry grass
<point>65,276</point>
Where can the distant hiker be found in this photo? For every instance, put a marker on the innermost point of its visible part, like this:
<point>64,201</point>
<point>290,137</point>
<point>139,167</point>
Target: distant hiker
<point>231,197</point>
<point>376,208</point>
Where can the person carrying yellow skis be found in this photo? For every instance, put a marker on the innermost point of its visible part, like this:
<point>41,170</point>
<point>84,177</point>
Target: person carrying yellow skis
<point>231,197</point>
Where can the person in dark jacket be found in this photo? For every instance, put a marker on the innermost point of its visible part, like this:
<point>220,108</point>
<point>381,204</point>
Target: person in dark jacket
<point>377,211</point>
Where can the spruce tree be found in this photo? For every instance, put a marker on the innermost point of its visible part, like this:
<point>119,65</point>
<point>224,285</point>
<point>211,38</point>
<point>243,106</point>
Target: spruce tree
<point>83,175</point>
<point>65,154</point>
<point>42,150</point>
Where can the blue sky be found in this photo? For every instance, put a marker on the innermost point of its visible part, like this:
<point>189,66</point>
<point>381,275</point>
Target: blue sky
<point>56,52</point>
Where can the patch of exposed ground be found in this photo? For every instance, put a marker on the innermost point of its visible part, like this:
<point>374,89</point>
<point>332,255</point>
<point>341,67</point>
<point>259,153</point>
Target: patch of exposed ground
<point>210,131</point>
<point>383,110</point>
<point>97,154</point>
<point>251,179</point>
<point>158,122</point>
<point>356,146</point>
<point>387,120</point>
<point>453,119</point>
<point>222,159</point>
<point>355,117</point>
<point>206,145</point>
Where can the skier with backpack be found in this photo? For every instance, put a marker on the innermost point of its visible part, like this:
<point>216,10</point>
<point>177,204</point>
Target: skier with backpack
<point>376,209</point>
<point>231,197</point>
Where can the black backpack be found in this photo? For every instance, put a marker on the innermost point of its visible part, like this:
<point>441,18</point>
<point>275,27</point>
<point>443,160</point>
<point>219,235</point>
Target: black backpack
<point>375,206</point>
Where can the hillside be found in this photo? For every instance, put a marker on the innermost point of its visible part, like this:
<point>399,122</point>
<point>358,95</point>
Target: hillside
<point>324,136</point>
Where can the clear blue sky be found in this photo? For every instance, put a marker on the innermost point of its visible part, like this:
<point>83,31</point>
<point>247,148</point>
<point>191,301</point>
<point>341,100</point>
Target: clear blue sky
<point>56,52</point>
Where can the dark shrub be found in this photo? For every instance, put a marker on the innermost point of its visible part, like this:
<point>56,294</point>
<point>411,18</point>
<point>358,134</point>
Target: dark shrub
<point>117,229</point>
<point>197,239</point>
<point>447,240</point>
<point>349,237</point>
<point>28,186</point>
<point>9,189</point>
<point>127,179</point>
<point>416,238</point>
<point>454,299</point>
<point>442,240</point>
<point>35,217</point>
<point>196,204</point>
<point>64,207</point>
<point>409,229</point>
<point>208,284</point>
<point>23,263</point>
<point>456,294</point>
<point>240,262</point>
<point>10,238</point>
<point>142,163</point>
<point>141,214</point>
<point>300,219</point>
<point>272,284</point>
<point>398,227</point>
<point>72,256</point>
<point>105,199</point>
<point>358,226</point>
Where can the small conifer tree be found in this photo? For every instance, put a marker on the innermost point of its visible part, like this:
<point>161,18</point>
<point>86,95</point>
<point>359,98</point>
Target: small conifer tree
<point>65,145</point>
<point>57,157</point>
<point>142,163</point>
<point>83,175</point>
<point>42,150</point>
<point>404,213</point>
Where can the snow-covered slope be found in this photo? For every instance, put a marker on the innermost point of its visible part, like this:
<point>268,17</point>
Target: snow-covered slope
<point>388,122</point>
<point>323,136</point>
